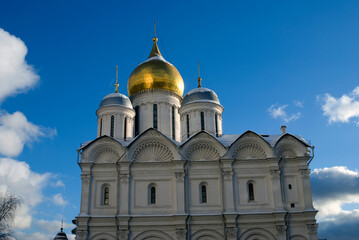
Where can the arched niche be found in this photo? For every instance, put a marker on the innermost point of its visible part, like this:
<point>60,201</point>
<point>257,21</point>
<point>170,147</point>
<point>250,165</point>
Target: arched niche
<point>102,236</point>
<point>298,237</point>
<point>103,150</point>
<point>256,234</point>
<point>289,146</point>
<point>202,147</point>
<point>250,145</point>
<point>152,146</point>
<point>206,234</point>
<point>153,235</point>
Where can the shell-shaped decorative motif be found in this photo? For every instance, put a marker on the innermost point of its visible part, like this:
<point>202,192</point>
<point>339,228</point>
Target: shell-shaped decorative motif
<point>202,152</point>
<point>105,154</point>
<point>249,151</point>
<point>152,152</point>
<point>286,152</point>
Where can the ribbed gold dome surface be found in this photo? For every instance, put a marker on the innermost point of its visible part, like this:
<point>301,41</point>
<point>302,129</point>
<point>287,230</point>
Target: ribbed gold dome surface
<point>155,73</point>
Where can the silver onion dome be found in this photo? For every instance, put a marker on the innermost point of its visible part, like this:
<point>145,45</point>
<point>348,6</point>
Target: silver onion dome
<point>116,99</point>
<point>200,94</point>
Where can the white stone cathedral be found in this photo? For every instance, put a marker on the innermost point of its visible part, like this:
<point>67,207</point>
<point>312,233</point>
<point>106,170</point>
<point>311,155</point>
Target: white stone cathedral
<point>161,168</point>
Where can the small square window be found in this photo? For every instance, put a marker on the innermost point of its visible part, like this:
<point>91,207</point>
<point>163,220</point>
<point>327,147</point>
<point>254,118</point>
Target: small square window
<point>292,205</point>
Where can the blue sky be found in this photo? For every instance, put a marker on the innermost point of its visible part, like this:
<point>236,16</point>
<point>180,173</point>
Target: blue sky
<point>288,62</point>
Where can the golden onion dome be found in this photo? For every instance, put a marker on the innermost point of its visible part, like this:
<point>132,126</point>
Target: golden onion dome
<point>155,73</point>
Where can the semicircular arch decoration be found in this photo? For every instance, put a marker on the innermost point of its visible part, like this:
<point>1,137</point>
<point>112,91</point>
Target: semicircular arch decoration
<point>257,234</point>
<point>286,151</point>
<point>104,153</point>
<point>249,150</point>
<point>207,234</point>
<point>153,234</point>
<point>202,151</point>
<point>152,152</point>
<point>103,236</point>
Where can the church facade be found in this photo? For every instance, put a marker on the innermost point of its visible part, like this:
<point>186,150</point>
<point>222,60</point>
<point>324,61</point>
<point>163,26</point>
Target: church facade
<point>161,168</point>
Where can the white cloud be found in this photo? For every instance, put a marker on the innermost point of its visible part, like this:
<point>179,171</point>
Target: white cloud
<point>15,74</point>
<point>334,188</point>
<point>277,111</point>
<point>51,226</point>
<point>32,236</point>
<point>341,109</point>
<point>17,177</point>
<point>59,200</point>
<point>16,130</point>
<point>58,183</point>
<point>298,104</point>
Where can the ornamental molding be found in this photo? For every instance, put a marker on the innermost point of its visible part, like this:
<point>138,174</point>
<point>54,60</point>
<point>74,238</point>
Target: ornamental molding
<point>104,154</point>
<point>194,112</point>
<point>227,175</point>
<point>116,115</point>
<point>85,179</point>
<point>123,234</point>
<point>152,152</point>
<point>275,174</point>
<point>181,234</point>
<point>286,152</point>
<point>202,151</point>
<point>312,228</point>
<point>231,232</point>
<point>249,150</point>
<point>304,173</point>
<point>280,229</point>
<point>249,135</point>
<point>179,177</point>
<point>81,234</point>
<point>124,178</point>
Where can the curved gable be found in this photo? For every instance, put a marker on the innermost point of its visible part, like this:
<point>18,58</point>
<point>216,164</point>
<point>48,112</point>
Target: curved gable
<point>201,147</point>
<point>250,145</point>
<point>289,146</point>
<point>152,146</point>
<point>206,234</point>
<point>257,233</point>
<point>153,234</point>
<point>103,150</point>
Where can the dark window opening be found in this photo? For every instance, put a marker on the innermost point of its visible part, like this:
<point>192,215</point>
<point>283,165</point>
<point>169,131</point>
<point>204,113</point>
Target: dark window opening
<point>216,123</point>
<point>112,125</point>
<point>106,196</point>
<point>101,127</point>
<point>173,123</point>
<point>250,192</point>
<point>125,129</point>
<point>203,194</point>
<point>155,116</point>
<point>292,205</point>
<point>137,120</point>
<point>202,121</point>
<point>153,195</point>
<point>187,126</point>
<point>290,186</point>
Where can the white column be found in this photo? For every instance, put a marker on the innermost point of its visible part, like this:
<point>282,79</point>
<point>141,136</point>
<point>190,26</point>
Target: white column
<point>277,192</point>
<point>124,198</point>
<point>85,192</point>
<point>308,203</point>
<point>180,189</point>
<point>227,174</point>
